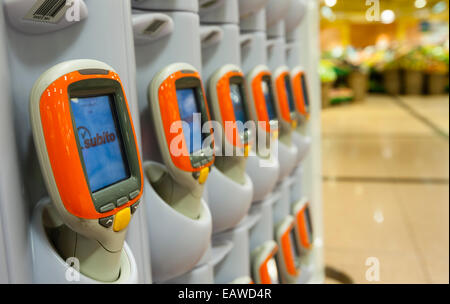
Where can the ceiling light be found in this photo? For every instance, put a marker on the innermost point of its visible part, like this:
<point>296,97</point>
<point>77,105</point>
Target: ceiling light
<point>330,3</point>
<point>420,3</point>
<point>387,16</point>
<point>439,7</point>
<point>328,13</point>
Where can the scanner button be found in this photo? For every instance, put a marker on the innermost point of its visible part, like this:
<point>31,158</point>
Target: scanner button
<point>246,150</point>
<point>106,221</point>
<point>134,207</point>
<point>134,194</point>
<point>122,201</point>
<point>107,207</point>
<point>203,175</point>
<point>275,134</point>
<point>122,219</point>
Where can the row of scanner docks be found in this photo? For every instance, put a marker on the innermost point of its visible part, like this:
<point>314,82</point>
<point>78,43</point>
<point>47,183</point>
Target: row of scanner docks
<point>159,141</point>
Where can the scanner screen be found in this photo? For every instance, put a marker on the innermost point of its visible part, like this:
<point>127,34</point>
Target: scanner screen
<point>305,90</point>
<point>238,106</point>
<point>100,140</point>
<point>309,223</point>
<point>189,109</point>
<point>267,90</point>
<point>290,96</point>
<point>294,248</point>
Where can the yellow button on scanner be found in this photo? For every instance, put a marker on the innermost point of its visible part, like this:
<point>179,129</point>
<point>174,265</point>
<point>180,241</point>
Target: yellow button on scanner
<point>294,124</point>
<point>275,134</point>
<point>203,175</point>
<point>246,150</point>
<point>122,219</point>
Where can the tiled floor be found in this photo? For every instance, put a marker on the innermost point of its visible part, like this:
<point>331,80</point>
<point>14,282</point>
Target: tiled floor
<point>386,189</point>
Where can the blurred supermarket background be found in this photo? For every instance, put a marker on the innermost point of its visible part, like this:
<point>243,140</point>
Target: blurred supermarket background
<point>405,52</point>
<point>385,126</point>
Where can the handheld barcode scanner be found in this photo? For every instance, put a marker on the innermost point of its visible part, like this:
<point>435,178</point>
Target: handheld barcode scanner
<point>300,89</point>
<point>90,162</point>
<point>262,102</point>
<point>264,267</point>
<point>179,111</point>
<point>285,104</point>
<point>288,257</point>
<point>228,106</point>
<point>303,225</point>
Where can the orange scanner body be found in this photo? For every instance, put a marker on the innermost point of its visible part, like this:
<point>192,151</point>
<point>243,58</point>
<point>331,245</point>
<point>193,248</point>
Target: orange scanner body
<point>63,152</point>
<point>299,93</point>
<point>226,108</point>
<point>287,250</point>
<point>302,228</point>
<point>283,102</point>
<point>264,269</point>
<point>170,114</point>
<point>260,101</point>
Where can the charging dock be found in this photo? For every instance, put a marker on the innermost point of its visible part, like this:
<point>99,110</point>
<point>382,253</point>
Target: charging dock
<point>170,230</point>
<point>48,265</point>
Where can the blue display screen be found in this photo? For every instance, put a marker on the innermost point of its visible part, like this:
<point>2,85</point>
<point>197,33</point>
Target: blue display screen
<point>293,240</point>
<point>238,106</point>
<point>309,223</point>
<point>305,90</point>
<point>290,96</point>
<point>187,103</point>
<point>268,98</point>
<point>100,140</point>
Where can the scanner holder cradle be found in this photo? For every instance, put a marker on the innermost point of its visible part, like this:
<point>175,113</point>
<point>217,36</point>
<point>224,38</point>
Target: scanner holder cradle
<point>233,267</point>
<point>48,265</point>
<point>178,242</point>
<point>228,200</point>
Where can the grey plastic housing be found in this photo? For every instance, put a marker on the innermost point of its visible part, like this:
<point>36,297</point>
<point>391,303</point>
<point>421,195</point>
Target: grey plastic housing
<point>263,230</point>
<point>178,242</point>
<point>210,36</point>
<point>293,54</point>
<point>295,15</point>
<point>253,50</point>
<point>297,191</point>
<point>276,10</point>
<point>249,7</point>
<point>181,44</point>
<point>282,207</point>
<point>29,56</point>
<point>50,268</point>
<point>166,5</point>
<point>276,53</point>
<point>22,15</point>
<point>151,27</point>
<point>227,200</point>
<point>253,22</point>
<point>223,12</point>
<point>15,258</point>
<point>202,274</point>
<point>236,263</point>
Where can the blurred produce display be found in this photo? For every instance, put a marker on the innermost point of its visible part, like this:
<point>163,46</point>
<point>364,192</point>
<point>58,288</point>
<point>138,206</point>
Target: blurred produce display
<point>392,69</point>
<point>327,71</point>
